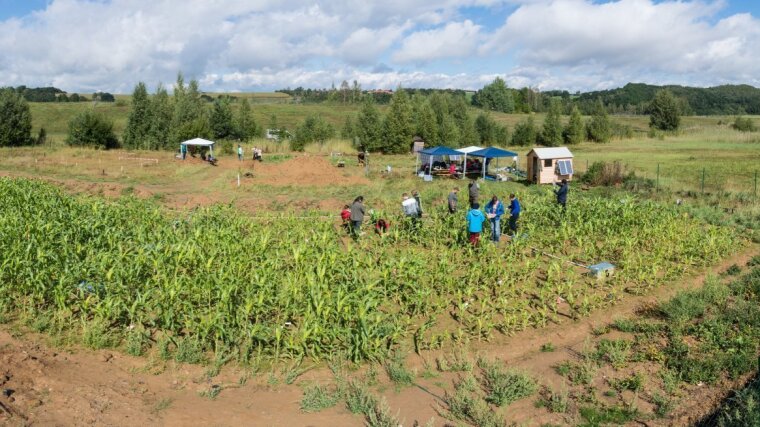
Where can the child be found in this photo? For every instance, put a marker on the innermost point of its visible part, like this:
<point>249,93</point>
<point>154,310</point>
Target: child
<point>345,216</point>
<point>475,220</point>
<point>381,226</point>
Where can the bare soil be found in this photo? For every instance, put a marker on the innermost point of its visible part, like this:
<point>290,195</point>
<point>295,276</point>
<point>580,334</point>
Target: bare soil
<point>45,385</point>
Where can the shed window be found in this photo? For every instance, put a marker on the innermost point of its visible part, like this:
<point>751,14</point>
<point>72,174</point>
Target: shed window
<point>565,167</point>
<point>548,163</point>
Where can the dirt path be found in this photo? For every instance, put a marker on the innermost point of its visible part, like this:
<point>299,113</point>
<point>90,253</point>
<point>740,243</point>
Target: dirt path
<point>48,386</point>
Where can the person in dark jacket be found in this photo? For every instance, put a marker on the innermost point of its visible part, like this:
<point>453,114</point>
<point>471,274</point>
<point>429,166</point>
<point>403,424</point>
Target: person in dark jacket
<point>474,192</point>
<point>453,200</point>
<point>494,211</point>
<point>561,193</point>
<point>514,213</point>
<point>475,220</point>
<point>416,195</point>
<point>357,216</point>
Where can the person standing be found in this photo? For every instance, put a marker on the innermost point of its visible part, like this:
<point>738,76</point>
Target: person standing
<point>453,200</point>
<point>561,193</point>
<point>475,220</point>
<point>494,211</point>
<point>514,213</point>
<point>240,153</point>
<point>345,216</point>
<point>357,216</point>
<point>411,209</point>
<point>474,192</point>
<point>183,150</point>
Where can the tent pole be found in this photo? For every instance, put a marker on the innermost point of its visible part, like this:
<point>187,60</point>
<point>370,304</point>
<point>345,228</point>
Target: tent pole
<point>464,168</point>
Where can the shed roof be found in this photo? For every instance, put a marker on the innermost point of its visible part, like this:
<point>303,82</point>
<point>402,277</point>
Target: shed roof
<point>552,153</point>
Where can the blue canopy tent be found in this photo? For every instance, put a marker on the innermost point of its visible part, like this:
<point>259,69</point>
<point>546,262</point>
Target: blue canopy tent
<point>432,153</point>
<point>492,153</point>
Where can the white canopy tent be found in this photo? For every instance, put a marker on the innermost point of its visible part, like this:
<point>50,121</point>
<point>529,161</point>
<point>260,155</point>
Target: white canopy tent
<point>466,151</point>
<point>200,142</point>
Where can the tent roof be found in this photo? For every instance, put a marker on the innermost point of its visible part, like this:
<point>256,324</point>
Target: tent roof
<point>552,153</point>
<point>440,151</point>
<point>492,152</point>
<point>470,149</point>
<point>198,141</point>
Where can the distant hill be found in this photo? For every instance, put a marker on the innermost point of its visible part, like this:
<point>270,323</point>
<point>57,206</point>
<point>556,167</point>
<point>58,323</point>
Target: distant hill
<point>635,97</point>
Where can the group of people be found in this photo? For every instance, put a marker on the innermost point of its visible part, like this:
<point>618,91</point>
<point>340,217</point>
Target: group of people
<point>353,215</point>
<point>255,150</point>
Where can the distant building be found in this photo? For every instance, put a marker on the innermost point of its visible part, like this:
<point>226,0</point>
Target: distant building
<point>548,165</point>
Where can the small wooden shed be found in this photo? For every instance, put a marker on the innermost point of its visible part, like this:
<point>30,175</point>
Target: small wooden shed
<point>548,165</point>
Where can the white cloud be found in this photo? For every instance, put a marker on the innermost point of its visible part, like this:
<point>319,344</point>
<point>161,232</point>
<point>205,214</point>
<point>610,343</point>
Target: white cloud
<point>454,40</point>
<point>83,45</point>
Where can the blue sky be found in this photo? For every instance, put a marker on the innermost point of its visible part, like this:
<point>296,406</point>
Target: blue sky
<point>88,45</point>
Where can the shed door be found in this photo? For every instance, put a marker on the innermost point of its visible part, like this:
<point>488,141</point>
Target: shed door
<point>535,169</point>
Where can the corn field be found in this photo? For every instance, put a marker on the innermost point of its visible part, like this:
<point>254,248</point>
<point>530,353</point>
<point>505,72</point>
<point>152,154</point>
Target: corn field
<point>288,287</point>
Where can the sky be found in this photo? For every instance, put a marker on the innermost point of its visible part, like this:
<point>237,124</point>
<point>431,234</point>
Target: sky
<point>261,45</point>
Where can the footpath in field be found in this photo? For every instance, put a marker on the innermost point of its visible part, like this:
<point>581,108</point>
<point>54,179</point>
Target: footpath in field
<point>45,385</point>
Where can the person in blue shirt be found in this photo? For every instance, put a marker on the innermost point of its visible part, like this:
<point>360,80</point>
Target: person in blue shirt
<point>561,193</point>
<point>475,220</point>
<point>494,211</point>
<point>514,213</point>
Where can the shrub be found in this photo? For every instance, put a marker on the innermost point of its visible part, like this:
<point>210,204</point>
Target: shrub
<point>744,124</point>
<point>15,119</point>
<point>89,129</point>
<point>605,174</point>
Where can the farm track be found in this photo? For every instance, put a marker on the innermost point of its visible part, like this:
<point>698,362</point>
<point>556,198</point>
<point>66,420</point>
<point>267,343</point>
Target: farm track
<point>73,386</point>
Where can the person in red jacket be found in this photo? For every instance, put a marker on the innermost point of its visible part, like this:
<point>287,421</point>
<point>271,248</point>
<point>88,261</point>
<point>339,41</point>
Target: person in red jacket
<point>345,216</point>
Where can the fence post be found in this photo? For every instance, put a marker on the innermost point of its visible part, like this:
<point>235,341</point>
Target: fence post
<point>703,180</point>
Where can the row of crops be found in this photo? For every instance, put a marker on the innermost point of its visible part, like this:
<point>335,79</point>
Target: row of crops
<point>289,287</point>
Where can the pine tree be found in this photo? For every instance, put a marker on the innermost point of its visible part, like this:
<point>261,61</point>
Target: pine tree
<point>369,127</point>
<point>599,129</point>
<point>399,124</point>
<point>551,134</point>
<point>460,113</point>
<point>664,112</point>
<point>495,96</point>
<point>15,119</point>
<point>450,135</point>
<point>525,133</point>
<point>575,131</point>
<point>161,110</point>
<point>137,130</point>
<point>222,125</point>
<point>245,125</point>
<point>189,120</point>
<point>348,131</point>
<point>425,124</point>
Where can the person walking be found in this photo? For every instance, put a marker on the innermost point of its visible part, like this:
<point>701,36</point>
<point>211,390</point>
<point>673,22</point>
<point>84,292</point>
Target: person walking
<point>475,220</point>
<point>453,200</point>
<point>357,216</point>
<point>561,193</point>
<point>494,211</point>
<point>474,192</point>
<point>514,213</point>
<point>240,153</point>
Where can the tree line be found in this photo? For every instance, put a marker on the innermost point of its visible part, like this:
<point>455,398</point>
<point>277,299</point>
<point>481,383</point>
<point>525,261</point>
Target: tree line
<point>53,94</point>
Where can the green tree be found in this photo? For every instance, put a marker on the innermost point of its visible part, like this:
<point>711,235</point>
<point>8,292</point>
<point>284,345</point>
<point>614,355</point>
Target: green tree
<point>161,111</point>
<point>138,126</point>
<point>599,129</point>
<point>245,125</point>
<point>348,131</point>
<point>15,119</point>
<point>551,133</point>
<point>313,129</point>
<point>460,113</point>
<point>525,133</point>
<point>450,135</point>
<point>425,123</point>
<point>189,113</point>
<point>664,112</point>
<point>495,96</point>
<point>399,124</point>
<point>744,124</point>
<point>575,131</point>
<point>369,128</point>
<point>89,129</point>
<point>221,119</point>
<point>490,132</point>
